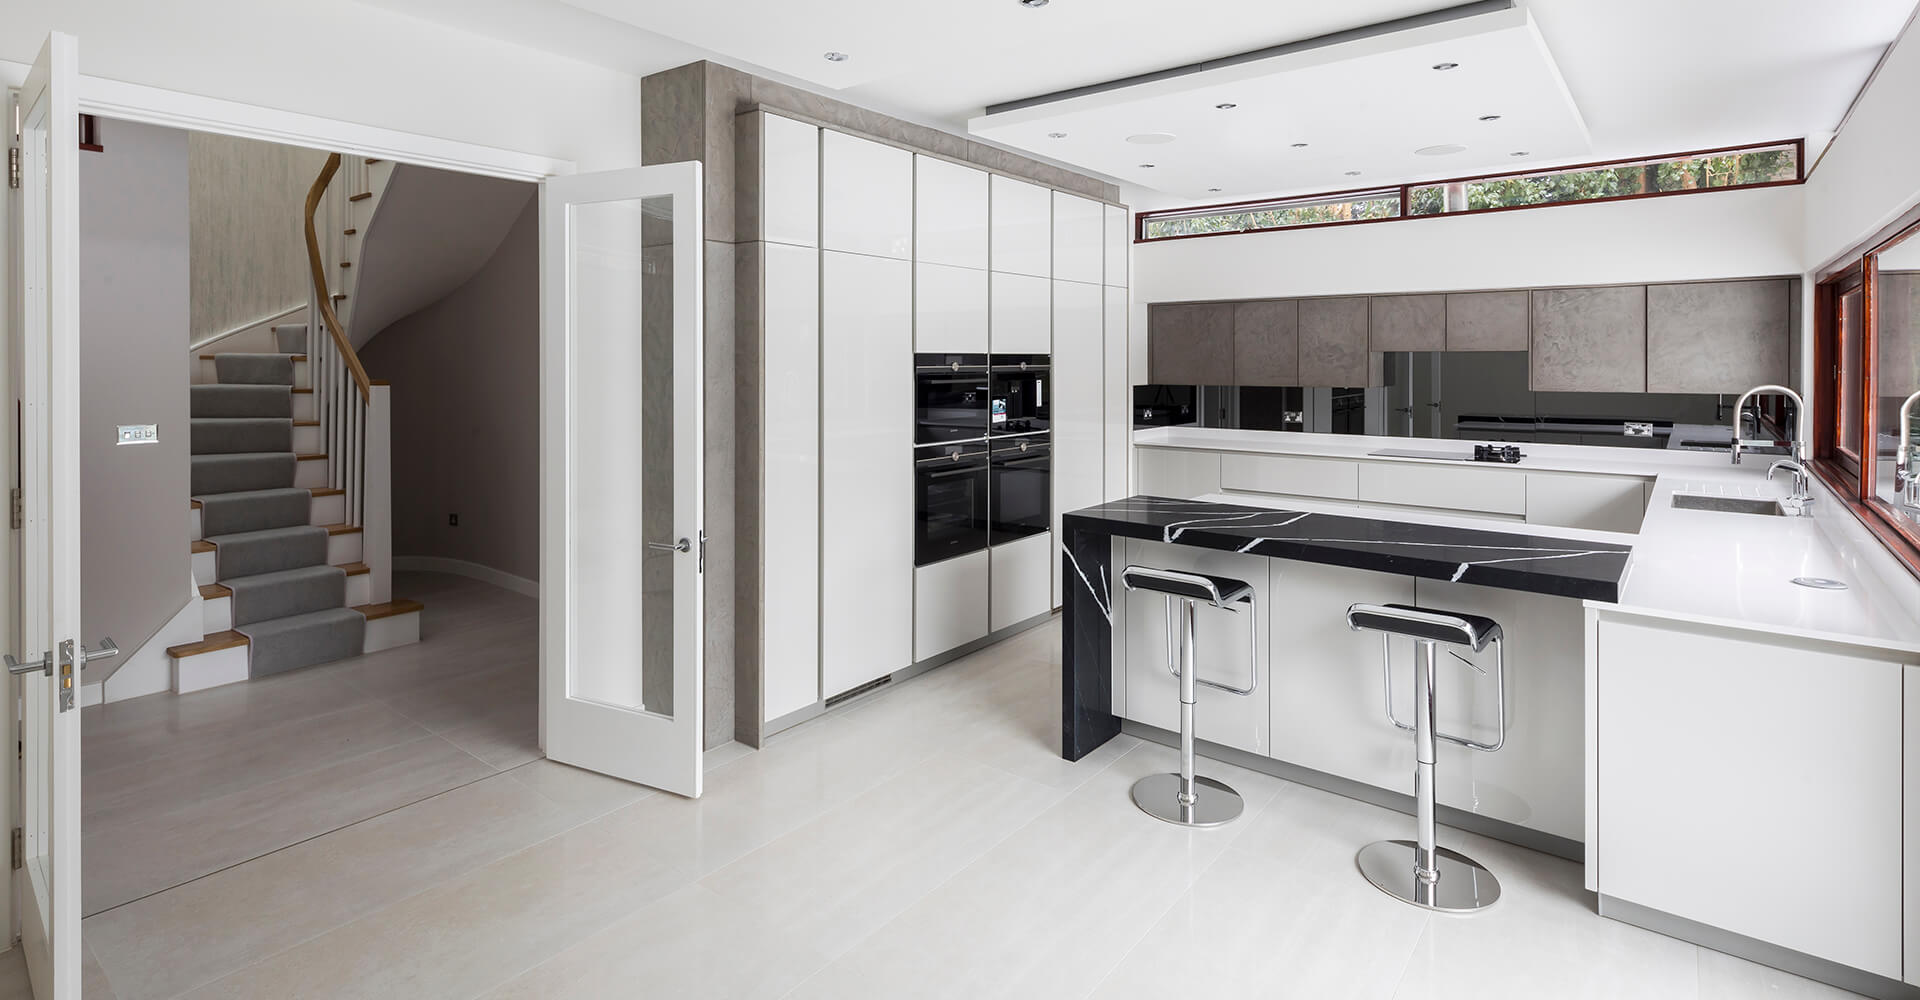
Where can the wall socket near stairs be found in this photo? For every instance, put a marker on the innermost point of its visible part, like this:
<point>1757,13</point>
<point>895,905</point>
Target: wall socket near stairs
<point>453,520</point>
<point>137,434</point>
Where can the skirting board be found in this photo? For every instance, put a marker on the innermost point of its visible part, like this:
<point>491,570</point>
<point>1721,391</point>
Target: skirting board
<point>149,670</point>
<point>1459,819</point>
<point>470,570</point>
<point>1754,950</point>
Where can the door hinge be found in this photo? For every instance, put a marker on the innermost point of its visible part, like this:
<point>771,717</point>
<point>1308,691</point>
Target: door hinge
<point>19,849</point>
<point>19,506</point>
<point>13,167</point>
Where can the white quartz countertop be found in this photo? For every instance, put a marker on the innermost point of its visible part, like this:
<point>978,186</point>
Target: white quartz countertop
<point>1700,566</point>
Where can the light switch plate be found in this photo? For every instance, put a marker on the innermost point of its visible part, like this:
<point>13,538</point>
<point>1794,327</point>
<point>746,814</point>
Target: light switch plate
<point>138,434</point>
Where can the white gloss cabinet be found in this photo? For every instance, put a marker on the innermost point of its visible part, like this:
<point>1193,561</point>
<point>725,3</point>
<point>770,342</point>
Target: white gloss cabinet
<point>866,502</point>
<point>866,196</point>
<point>1079,239</point>
<point>790,480</point>
<point>1226,651</point>
<point>789,209</point>
<point>1022,314</point>
<point>1022,228</point>
<point>949,309</point>
<point>1752,784</point>
<point>1119,392</point>
<point>1020,580</point>
<point>1078,409</point>
<point>1117,241</point>
<point>949,213</point>
<point>950,603</point>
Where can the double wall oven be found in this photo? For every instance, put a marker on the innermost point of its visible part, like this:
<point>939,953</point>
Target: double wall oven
<point>982,452</point>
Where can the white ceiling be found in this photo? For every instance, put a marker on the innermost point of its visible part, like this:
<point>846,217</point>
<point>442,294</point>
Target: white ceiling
<point>1647,76</point>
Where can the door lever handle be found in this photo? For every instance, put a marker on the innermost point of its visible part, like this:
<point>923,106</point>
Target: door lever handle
<point>680,546</point>
<point>107,651</point>
<point>44,664</point>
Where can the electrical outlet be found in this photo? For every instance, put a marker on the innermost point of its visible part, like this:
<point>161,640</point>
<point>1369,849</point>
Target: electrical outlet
<point>137,434</point>
<point>453,520</point>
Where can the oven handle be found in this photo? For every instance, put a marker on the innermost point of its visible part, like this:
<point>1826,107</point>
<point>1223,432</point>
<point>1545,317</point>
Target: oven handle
<point>964,470</point>
<point>1023,463</point>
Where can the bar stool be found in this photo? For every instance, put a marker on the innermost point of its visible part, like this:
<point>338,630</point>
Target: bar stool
<point>1421,872</point>
<point>1185,798</point>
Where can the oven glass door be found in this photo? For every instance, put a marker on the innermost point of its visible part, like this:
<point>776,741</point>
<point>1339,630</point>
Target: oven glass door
<point>950,394</point>
<point>950,484</point>
<point>1022,488</point>
<point>1021,395</point>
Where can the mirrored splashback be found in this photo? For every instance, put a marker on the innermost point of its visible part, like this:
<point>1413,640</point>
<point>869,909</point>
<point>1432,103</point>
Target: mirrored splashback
<point>1462,395</point>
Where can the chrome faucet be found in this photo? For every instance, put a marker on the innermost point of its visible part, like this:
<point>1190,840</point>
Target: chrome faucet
<point>1798,440</point>
<point>1906,479</point>
<point>1800,503</point>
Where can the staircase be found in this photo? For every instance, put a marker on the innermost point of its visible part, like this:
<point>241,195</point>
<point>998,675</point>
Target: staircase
<point>290,497</point>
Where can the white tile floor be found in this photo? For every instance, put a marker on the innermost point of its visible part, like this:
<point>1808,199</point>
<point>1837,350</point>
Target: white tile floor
<point>924,842</point>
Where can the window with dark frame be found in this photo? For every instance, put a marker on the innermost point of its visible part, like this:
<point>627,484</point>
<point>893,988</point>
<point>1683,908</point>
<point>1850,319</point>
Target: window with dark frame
<point>1726,169</point>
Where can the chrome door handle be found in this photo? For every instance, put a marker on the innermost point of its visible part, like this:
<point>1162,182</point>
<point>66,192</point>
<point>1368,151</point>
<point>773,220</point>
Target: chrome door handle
<point>107,651</point>
<point>44,664</point>
<point>680,546</point>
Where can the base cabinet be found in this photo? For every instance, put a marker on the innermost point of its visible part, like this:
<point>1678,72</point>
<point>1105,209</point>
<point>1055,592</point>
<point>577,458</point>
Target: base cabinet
<point>1752,784</point>
<point>1022,580</point>
<point>949,604</point>
<point>1167,472</point>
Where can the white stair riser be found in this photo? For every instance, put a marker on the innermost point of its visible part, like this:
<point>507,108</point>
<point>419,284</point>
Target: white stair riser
<point>204,374</point>
<point>203,567</point>
<point>359,589</point>
<point>310,473</point>
<point>206,670</point>
<point>216,614</point>
<point>331,509</point>
<point>308,440</point>
<point>398,630</point>
<point>304,408</point>
<point>346,548</point>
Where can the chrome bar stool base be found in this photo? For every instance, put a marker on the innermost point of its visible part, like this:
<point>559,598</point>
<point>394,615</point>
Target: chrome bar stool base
<point>1464,885</point>
<point>1214,802</point>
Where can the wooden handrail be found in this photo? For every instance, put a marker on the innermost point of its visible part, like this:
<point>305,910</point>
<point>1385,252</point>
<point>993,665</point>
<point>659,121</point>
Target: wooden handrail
<point>339,334</point>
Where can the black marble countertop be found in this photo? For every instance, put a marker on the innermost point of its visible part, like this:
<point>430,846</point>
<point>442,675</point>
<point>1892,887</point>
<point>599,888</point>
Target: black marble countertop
<point>1511,560</point>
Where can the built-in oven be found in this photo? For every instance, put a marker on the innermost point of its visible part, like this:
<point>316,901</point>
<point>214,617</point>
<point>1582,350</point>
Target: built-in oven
<point>1021,395</point>
<point>951,484</point>
<point>951,398</point>
<point>1022,487</point>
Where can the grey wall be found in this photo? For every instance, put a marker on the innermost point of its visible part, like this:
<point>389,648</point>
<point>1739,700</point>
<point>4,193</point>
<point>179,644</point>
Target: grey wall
<point>134,252</point>
<point>432,231</point>
<point>249,245</point>
<point>466,413</point>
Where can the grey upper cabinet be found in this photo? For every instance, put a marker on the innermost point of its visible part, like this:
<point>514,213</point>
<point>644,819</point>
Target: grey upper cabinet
<point>1717,336</point>
<point>1333,342</point>
<point>1407,323</point>
<point>1266,342</point>
<point>1190,344</point>
<point>1487,321</point>
<point>1590,339</point>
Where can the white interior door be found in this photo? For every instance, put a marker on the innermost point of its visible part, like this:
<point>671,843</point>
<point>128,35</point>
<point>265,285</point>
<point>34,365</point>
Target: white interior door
<point>45,342</point>
<point>623,546</point>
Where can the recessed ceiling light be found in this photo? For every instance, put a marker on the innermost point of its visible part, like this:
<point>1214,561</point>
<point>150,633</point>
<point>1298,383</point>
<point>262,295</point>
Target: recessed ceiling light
<point>1056,135</point>
<point>1152,138</point>
<point>836,57</point>
<point>1520,153</point>
<point>1213,190</point>
<point>1489,118</point>
<point>1447,149</point>
<point>1353,173</point>
<point>1443,67</point>
<point>1299,145</point>
<point>1035,4</point>
<point>1146,166</point>
<point>1225,106</point>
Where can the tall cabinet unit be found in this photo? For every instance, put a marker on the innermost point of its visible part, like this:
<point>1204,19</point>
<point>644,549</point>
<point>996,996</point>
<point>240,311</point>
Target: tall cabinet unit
<point>779,271</point>
<point>866,407</point>
<point>1119,384</point>
<point>1079,372</point>
<point>1021,258</point>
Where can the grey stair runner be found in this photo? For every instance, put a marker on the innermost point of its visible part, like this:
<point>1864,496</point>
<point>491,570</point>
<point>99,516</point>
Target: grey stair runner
<point>234,435</point>
<point>287,601</point>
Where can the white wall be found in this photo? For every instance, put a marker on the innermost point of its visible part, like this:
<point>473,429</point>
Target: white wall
<point>350,62</point>
<point>1871,172</point>
<point>247,202</point>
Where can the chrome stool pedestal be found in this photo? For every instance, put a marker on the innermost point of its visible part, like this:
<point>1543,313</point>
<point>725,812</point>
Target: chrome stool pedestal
<point>1420,871</point>
<point>1186,799</point>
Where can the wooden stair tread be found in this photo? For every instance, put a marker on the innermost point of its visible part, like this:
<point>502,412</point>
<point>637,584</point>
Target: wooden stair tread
<point>306,423</point>
<point>346,263</point>
<point>318,491</point>
<point>211,644</point>
<point>326,491</point>
<point>362,196</point>
<point>390,609</point>
<point>215,591</point>
<point>371,160</point>
<point>348,232</point>
<point>342,529</point>
<point>355,569</point>
<point>310,458</point>
<point>202,545</point>
<point>337,296</point>
<point>299,392</point>
<point>193,505</point>
<point>210,357</point>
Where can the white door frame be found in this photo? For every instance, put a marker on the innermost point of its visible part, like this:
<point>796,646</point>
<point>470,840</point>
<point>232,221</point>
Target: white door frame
<point>159,106</point>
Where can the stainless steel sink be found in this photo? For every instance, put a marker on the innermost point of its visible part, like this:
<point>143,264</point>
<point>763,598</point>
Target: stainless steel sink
<point>1729,505</point>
